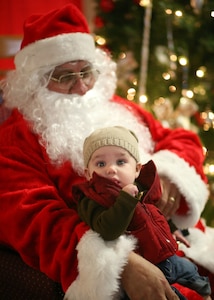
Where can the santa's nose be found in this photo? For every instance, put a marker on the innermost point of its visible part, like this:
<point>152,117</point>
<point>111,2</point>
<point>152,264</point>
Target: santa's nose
<point>79,88</point>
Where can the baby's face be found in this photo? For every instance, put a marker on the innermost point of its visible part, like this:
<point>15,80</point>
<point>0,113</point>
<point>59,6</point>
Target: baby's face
<point>114,163</point>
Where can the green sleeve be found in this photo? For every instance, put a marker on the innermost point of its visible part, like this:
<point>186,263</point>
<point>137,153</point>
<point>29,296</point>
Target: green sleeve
<point>111,222</point>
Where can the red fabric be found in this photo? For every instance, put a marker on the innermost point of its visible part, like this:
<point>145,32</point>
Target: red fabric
<point>148,225</point>
<point>183,143</point>
<point>187,146</point>
<point>34,218</point>
<point>33,214</point>
<point>7,63</point>
<point>14,12</point>
<point>200,225</point>
<point>68,19</point>
<point>189,294</point>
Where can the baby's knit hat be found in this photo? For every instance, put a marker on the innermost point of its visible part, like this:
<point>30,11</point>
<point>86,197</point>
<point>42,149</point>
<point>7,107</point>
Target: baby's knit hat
<point>111,136</point>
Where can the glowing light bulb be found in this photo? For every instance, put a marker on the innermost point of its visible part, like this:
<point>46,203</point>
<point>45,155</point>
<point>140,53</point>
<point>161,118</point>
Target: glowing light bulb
<point>144,3</point>
<point>178,13</point>
<point>101,41</point>
<point>183,61</point>
<point>143,99</point>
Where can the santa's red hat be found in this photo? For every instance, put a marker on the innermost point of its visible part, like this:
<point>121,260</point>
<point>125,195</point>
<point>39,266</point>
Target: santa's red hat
<point>60,36</point>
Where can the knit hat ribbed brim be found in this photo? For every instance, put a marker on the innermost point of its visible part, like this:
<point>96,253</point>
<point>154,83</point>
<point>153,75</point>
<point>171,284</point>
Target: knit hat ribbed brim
<point>111,136</point>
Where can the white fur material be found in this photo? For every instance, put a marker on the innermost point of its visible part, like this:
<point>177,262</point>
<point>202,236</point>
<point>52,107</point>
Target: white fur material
<point>188,182</point>
<point>55,51</point>
<point>100,265</point>
<point>202,247</point>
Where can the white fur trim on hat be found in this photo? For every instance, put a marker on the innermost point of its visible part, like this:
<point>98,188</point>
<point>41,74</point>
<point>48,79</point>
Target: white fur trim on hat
<point>56,50</point>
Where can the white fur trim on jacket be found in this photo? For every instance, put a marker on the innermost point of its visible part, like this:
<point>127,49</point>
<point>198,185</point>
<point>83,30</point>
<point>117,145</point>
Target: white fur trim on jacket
<point>100,264</point>
<point>56,50</point>
<point>202,245</point>
<point>189,183</point>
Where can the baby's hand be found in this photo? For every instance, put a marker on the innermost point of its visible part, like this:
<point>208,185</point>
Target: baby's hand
<point>131,189</point>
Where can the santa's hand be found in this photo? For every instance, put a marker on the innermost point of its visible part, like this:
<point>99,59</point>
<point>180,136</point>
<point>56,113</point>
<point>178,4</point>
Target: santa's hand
<point>142,280</point>
<point>181,238</point>
<point>170,200</point>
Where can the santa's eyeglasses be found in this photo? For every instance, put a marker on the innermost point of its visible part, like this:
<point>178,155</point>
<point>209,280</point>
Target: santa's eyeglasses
<point>68,80</point>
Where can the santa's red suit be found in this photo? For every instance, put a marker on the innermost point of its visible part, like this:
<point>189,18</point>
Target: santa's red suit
<point>40,161</point>
<point>36,221</point>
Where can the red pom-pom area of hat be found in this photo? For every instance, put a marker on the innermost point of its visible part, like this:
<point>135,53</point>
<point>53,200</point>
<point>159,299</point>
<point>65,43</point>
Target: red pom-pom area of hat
<point>68,19</point>
<point>60,36</point>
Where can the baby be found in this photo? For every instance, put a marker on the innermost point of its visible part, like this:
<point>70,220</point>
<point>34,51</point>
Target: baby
<point>119,197</point>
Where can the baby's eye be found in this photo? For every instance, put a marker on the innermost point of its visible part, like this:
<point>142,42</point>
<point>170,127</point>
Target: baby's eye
<point>101,164</point>
<point>120,162</point>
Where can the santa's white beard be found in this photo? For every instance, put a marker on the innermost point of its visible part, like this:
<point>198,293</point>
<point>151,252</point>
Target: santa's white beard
<point>64,121</point>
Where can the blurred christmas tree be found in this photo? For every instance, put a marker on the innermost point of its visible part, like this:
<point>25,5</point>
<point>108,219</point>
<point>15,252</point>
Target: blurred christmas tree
<point>165,56</point>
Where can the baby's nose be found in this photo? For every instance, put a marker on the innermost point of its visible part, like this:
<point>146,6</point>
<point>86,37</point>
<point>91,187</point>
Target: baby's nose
<point>111,169</point>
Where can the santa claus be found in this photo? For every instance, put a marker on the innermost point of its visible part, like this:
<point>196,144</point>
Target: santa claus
<point>61,90</point>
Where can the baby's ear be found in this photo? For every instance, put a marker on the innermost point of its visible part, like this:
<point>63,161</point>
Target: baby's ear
<point>86,173</point>
<point>138,168</point>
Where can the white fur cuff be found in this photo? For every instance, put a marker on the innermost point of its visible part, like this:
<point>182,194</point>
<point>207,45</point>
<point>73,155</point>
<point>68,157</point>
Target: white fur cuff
<point>202,245</point>
<point>189,183</point>
<point>100,264</point>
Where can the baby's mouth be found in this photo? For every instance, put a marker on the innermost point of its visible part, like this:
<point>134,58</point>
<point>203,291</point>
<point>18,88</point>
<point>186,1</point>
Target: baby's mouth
<point>116,181</point>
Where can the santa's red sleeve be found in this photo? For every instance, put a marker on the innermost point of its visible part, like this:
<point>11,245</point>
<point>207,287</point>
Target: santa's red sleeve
<point>36,221</point>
